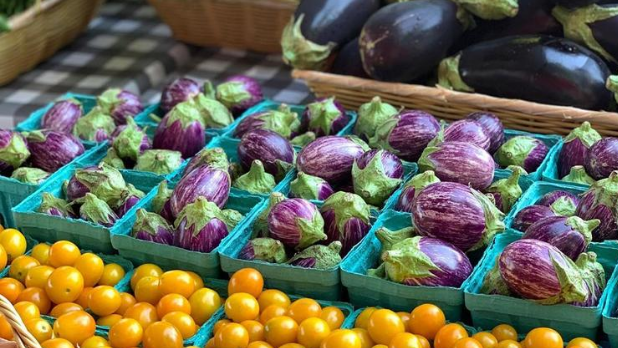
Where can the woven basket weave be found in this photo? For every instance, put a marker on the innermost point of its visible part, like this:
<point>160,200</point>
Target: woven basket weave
<point>39,32</point>
<point>248,24</point>
<point>21,336</point>
<point>450,105</point>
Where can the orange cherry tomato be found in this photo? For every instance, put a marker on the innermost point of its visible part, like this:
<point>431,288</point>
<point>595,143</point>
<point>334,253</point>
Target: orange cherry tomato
<point>147,290</point>
<point>279,331</point>
<point>112,274</point>
<point>292,345</point>
<point>145,270</point>
<point>508,344</point>
<point>273,297</point>
<point>198,282</point>
<point>247,280</point>
<point>255,330</point>
<point>312,331</point>
<point>37,296</point>
<point>333,316</point>
<point>109,320</point>
<point>41,253</point>
<point>21,265</point>
<point>304,308</point>
<point>241,306</point>
<point>363,335</point>
<point>4,257</point>
<point>176,282</point>
<point>84,297</point>
<point>182,322</point>
<point>405,340</point>
<point>39,328</point>
<point>468,342</point>
<point>91,267</point>
<point>95,342</point>
<point>144,313</point>
<point>504,332</point>
<point>37,276</point>
<point>13,242</point>
<point>383,325</point>
<point>342,338</point>
<point>220,324</point>
<point>65,284</point>
<point>380,346</point>
<point>210,343</point>
<point>257,344</point>
<point>448,335</point>
<point>6,331</point>
<point>57,343</point>
<point>126,300</point>
<point>426,320</point>
<point>405,318</point>
<point>162,335</point>
<point>204,303</point>
<point>173,303</point>
<point>363,318</point>
<point>104,300</point>
<point>581,342</point>
<point>232,335</point>
<point>63,253</point>
<point>75,327</point>
<point>11,288</point>
<point>543,338</point>
<point>65,308</point>
<point>126,333</point>
<point>486,339</point>
<point>424,341</point>
<point>27,310</point>
<point>272,311</point>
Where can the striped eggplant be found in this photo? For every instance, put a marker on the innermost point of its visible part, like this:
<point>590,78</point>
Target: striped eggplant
<point>576,148</point>
<point>407,134</point>
<point>506,191</point>
<point>579,175</point>
<point>376,175</point>
<point>602,158</point>
<point>371,115</point>
<point>181,130</point>
<point>161,162</point>
<point>330,158</point>
<point>594,278</point>
<point>51,150</point>
<point>275,152</point>
<point>458,214</point>
<point>538,271</point>
<point>318,256</point>
<point>571,235</point>
<point>161,198</point>
<point>105,182</point>
<point>199,227</point>
<point>214,157</point>
<point>296,223</point>
<point>97,211</point>
<point>119,104</point>
<point>324,117</point>
<point>561,202</point>
<point>260,226</point>
<point>178,91</point>
<point>529,215</point>
<point>52,205</point>
<point>13,150</point>
<point>62,116</point>
<point>94,126</point>
<point>264,249</point>
<point>153,228</point>
<point>131,142</point>
<point>211,183</point>
<point>29,175</point>
<point>493,128</point>
<point>601,202</point>
<point>346,219</point>
<point>281,120</point>
<point>413,187</point>
<point>426,261</point>
<point>128,199</point>
<point>467,131</point>
<point>239,93</point>
<point>523,151</point>
<point>256,180</point>
<point>460,162</point>
<point>389,238</point>
<point>310,187</point>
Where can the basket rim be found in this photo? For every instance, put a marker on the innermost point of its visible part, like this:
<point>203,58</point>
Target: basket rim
<point>27,17</point>
<point>274,4</point>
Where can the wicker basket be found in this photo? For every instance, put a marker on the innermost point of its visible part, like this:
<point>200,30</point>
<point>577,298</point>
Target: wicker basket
<point>450,105</point>
<point>40,31</point>
<point>22,338</point>
<point>248,24</point>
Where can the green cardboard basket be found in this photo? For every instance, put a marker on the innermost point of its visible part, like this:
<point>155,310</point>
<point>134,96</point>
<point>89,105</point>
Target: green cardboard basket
<point>550,173</point>
<point>524,315</point>
<point>550,140</point>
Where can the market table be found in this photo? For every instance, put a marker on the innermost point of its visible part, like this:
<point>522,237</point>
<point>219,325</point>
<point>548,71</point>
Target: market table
<point>128,46</point>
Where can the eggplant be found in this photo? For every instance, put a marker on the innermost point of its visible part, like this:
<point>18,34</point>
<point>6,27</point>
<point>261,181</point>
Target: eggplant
<point>578,175</point>
<point>529,215</point>
<point>371,115</point>
<point>522,151</point>
<point>153,228</point>
<point>346,220</point>
<point>97,211</point>
<point>181,130</point>
<point>178,91</point>
<point>506,191</point>
<point>601,202</point>
<point>413,187</point>
<point>404,42</point>
<point>602,158</point>
<point>571,235</point>
<point>119,104</point>
<point>215,157</point>
<point>581,3</point>
<point>376,175</point>
<point>323,117</point>
<point>55,206</point>
<point>256,180</point>
<point>296,223</point>
<point>318,256</point>
<point>320,27</point>
<point>128,199</point>
<point>51,150</point>
<point>281,120</point>
<point>274,151</point>
<point>530,68</point>
<point>29,175</point>
<point>13,150</point>
<point>105,182</point>
<point>594,278</point>
<point>161,198</point>
<point>576,148</point>
<point>260,226</point>
<point>62,116</point>
<point>200,227</point>
<point>264,249</point>
<point>349,61</point>
<point>389,238</point>
<point>467,131</point>
<point>330,158</point>
<point>94,126</point>
<point>204,181</point>
<point>552,198</point>
<point>161,162</point>
<point>493,128</point>
<point>239,93</point>
<point>310,187</point>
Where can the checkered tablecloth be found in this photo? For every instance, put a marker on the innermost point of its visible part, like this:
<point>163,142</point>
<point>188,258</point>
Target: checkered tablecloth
<point>127,46</point>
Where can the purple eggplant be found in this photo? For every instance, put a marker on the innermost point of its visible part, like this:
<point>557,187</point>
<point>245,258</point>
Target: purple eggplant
<point>349,62</point>
<point>216,158</point>
<point>51,150</point>
<point>282,120</point>
<point>310,187</point>
<point>459,162</point>
<point>506,191</point>
<point>163,196</point>
<point>467,131</point>
<point>602,158</point>
<point>318,256</point>
<point>275,152</point>
<point>571,235</point>
<point>55,206</point>
<point>62,116</point>
<point>537,270</point>
<point>13,150</point>
<point>27,175</point>
<point>330,158</point>
<point>346,219</point>
<point>493,128</point>
<point>103,181</point>
<point>113,160</point>
<point>561,202</point>
<point>119,104</point>
<point>413,187</point>
<point>129,198</point>
<point>371,115</point>
<point>576,148</point>
<point>264,249</point>
<point>97,211</point>
<point>260,226</point>
<point>376,175</point>
<point>296,223</point>
<point>131,142</point>
<point>94,126</point>
<point>181,130</point>
<point>256,180</point>
<point>153,228</point>
<point>161,162</point>
<point>458,214</point>
<point>601,202</point>
<point>389,238</point>
<point>578,175</point>
<point>199,227</point>
<point>424,261</point>
<point>211,183</point>
<point>178,91</point>
<point>324,117</point>
<point>529,215</point>
<point>239,93</point>
<point>407,134</point>
<point>523,151</point>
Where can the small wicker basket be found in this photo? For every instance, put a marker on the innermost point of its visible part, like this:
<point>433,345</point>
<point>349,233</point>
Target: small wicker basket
<point>22,338</point>
<point>248,24</point>
<point>39,32</point>
<point>450,105</point>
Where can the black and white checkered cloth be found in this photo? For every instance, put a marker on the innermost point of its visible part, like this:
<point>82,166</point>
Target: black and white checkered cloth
<point>127,46</point>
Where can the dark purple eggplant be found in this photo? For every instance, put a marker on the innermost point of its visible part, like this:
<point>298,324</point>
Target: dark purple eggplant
<point>581,3</point>
<point>321,26</point>
<point>530,215</point>
<point>576,148</point>
<point>404,42</point>
<point>571,235</point>
<point>493,128</point>
<point>541,69</point>
<point>602,158</point>
<point>349,61</point>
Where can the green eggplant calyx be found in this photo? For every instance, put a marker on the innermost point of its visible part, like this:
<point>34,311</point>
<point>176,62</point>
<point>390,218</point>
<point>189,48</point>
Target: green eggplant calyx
<point>112,159</point>
<point>159,200</point>
<point>198,214</point>
<point>16,152</point>
<point>491,9</point>
<point>214,114</point>
<point>108,100</point>
<point>232,93</point>
<point>420,181</point>
<point>579,175</point>
<point>128,143</point>
<point>515,151</point>
<point>372,183</point>
<point>612,85</point>
<point>29,175</point>
<point>256,180</point>
<point>583,227</point>
<point>389,238</point>
<point>585,133</point>
<point>312,231</point>
<point>161,162</point>
<point>306,186</point>
<point>50,201</point>
<point>563,206</point>
<point>260,226</point>
<point>301,53</point>
<point>303,139</point>
<point>282,120</point>
<point>380,138</point>
<point>323,114</point>
<point>87,127</point>
<point>97,210</point>
<point>405,260</point>
<point>509,190</point>
<point>231,218</point>
<point>573,288</point>
<point>449,76</point>
<point>346,205</point>
<point>371,115</point>
<point>325,256</point>
<point>424,162</point>
<point>269,250</point>
<point>186,113</point>
<point>494,223</point>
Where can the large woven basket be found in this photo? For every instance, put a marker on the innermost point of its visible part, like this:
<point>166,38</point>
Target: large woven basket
<point>450,105</point>
<point>39,32</point>
<point>248,24</point>
<point>22,338</point>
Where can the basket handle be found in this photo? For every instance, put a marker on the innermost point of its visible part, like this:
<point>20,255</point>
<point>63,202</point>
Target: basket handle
<point>21,335</point>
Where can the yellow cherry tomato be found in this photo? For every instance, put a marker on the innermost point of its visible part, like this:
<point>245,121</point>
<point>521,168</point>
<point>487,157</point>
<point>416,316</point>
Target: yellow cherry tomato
<point>246,280</point>
<point>84,297</point>
<point>27,310</point>
<point>405,340</point>
<point>198,282</point>
<point>109,320</point>
<point>256,344</point>
<point>232,335</point>
<point>182,322</point>
<point>145,270</point>
<point>91,267</point>
<point>65,284</point>
<point>173,303</point>
<point>126,333</point>
<point>95,342</point>
<point>333,316</point>
<point>63,253</point>
<point>4,257</point>
<point>363,335</point>
<point>383,325</point>
<point>426,320</point>
<point>304,308</point>
<point>37,276</point>
<point>6,331</point>
<point>255,330</point>
<point>13,242</point>
<point>57,343</point>
<point>126,301</point>
<point>342,338</point>
<point>504,332</point>
<point>508,344</point>
<point>65,308</point>
<point>147,290</point>
<point>37,296</point>
<point>543,338</point>
<point>405,318</point>
<point>581,342</point>
<point>312,331</point>
<point>112,274</point>
<point>468,342</point>
<point>273,297</point>
<point>104,300</point>
<point>220,324</point>
<point>424,342</point>
<point>21,266</point>
<point>176,282</point>
<point>204,303</point>
<point>486,339</point>
<point>448,335</point>
<point>279,331</point>
<point>162,335</point>
<point>144,313</point>
<point>363,318</point>
<point>41,253</point>
<point>241,306</point>
<point>11,288</point>
<point>75,327</point>
<point>272,311</point>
